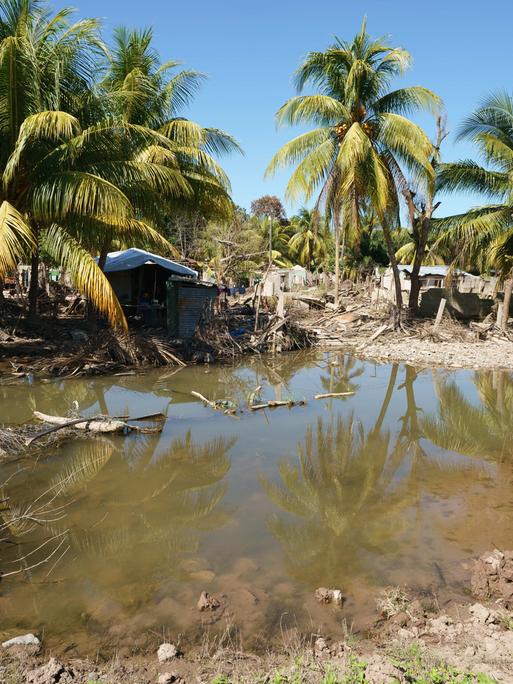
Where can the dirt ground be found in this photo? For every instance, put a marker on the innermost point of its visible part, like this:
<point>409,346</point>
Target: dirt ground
<point>368,331</point>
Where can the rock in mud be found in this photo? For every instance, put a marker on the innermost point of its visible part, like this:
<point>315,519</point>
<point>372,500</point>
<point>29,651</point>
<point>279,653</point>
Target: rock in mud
<point>321,647</point>
<point>51,673</point>
<point>440,624</point>
<point>481,613</point>
<point>324,595</point>
<point>401,619</point>
<point>204,576</point>
<point>22,641</point>
<point>493,576</point>
<point>207,602</point>
<point>167,652</point>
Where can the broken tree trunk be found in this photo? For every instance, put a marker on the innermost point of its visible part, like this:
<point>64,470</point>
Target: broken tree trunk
<point>508,287</point>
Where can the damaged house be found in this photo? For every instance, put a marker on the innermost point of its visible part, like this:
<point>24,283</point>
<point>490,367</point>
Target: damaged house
<point>468,296</point>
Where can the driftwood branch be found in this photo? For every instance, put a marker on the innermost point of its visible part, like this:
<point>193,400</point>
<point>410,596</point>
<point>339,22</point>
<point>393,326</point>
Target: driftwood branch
<point>329,395</point>
<point>276,404</point>
<point>94,424</point>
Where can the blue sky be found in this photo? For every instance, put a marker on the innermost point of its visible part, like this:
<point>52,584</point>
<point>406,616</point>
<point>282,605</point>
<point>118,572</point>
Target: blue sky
<point>249,50</point>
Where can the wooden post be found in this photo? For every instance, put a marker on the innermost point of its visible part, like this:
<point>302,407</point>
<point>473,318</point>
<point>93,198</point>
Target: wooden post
<point>440,313</point>
<point>280,309</point>
<point>500,307</point>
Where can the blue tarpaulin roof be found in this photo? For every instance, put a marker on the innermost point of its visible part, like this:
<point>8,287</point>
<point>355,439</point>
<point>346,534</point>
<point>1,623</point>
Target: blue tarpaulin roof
<point>128,259</point>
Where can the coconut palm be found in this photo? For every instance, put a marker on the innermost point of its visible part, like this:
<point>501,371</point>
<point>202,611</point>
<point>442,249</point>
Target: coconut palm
<point>307,243</point>
<point>363,135</point>
<point>64,185</point>
<point>146,92</point>
<point>433,255</point>
<point>485,233</point>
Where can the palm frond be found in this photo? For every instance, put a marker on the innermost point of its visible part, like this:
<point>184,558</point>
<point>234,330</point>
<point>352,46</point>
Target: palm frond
<point>320,110</point>
<point>84,273</point>
<point>16,238</point>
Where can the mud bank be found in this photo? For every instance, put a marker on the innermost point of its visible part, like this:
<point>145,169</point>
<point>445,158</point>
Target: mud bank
<point>461,644</point>
<point>413,640</point>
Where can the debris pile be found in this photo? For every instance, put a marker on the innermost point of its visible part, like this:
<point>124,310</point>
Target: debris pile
<point>108,352</point>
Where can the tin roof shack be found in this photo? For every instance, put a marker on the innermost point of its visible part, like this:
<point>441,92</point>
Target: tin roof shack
<point>188,303</point>
<point>136,274</point>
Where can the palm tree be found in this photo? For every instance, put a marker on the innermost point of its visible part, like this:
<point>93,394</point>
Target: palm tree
<point>307,242</point>
<point>362,135</point>
<point>485,233</point>
<point>63,185</point>
<point>146,92</point>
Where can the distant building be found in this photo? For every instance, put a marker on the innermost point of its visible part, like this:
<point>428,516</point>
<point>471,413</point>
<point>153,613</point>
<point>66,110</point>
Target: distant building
<point>468,296</point>
<point>436,276</point>
<point>285,279</point>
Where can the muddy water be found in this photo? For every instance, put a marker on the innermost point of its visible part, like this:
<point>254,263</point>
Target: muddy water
<point>401,482</point>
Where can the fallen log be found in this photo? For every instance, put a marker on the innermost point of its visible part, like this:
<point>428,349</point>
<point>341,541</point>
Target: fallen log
<point>100,424</point>
<point>379,331</point>
<point>329,395</point>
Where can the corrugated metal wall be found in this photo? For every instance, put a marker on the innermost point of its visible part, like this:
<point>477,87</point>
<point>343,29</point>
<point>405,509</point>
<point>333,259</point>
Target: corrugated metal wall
<point>186,304</point>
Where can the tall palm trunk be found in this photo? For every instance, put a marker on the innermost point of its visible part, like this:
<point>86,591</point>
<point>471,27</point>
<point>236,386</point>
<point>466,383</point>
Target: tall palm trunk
<point>508,288</point>
<point>395,269</point>
<point>337,261</point>
<point>34,279</point>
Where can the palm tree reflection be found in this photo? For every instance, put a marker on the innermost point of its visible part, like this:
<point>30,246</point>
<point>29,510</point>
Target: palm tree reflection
<point>347,495</point>
<point>143,509</point>
<point>343,369</point>
<point>482,430</point>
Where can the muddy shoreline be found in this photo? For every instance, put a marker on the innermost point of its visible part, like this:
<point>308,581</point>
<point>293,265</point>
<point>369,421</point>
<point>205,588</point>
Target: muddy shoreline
<point>65,347</point>
<point>37,358</point>
<point>415,638</point>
